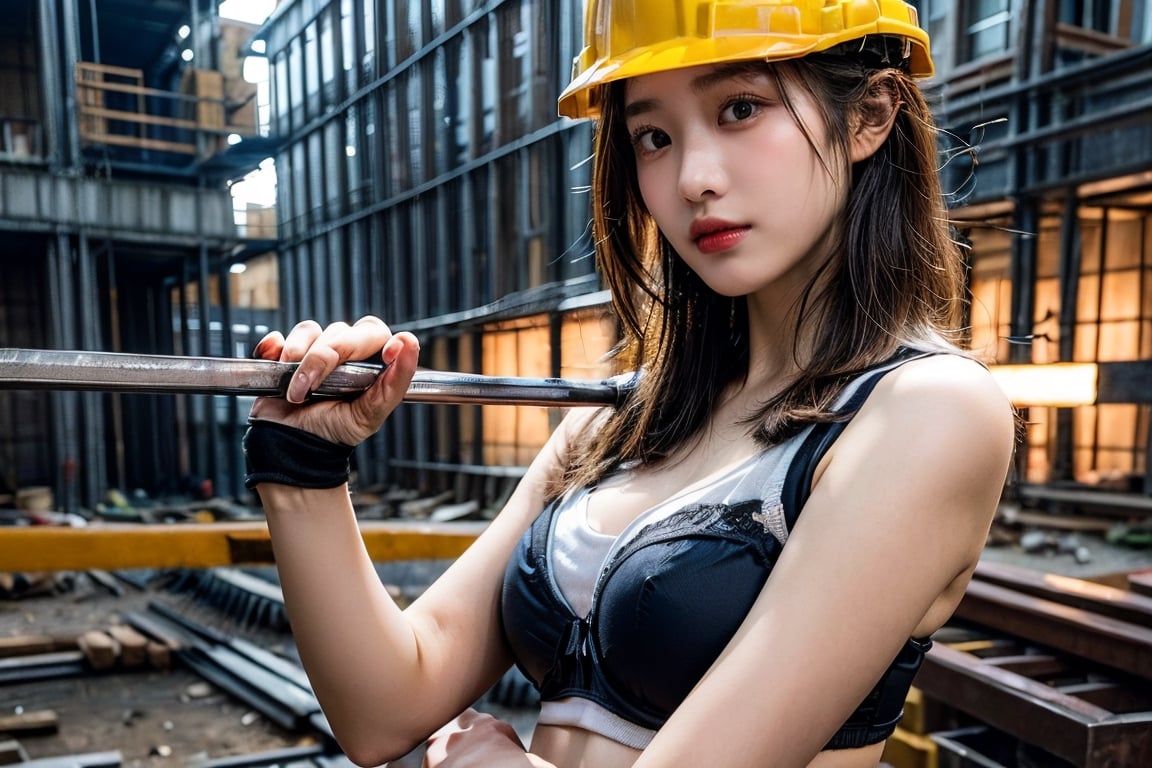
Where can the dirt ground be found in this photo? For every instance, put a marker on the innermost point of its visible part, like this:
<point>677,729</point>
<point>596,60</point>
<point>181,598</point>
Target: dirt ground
<point>154,718</point>
<point>174,718</point>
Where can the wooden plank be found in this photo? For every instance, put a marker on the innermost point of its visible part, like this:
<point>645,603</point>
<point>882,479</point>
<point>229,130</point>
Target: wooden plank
<point>1030,665</point>
<point>12,752</point>
<point>138,90</point>
<point>35,722</point>
<point>1078,522</point>
<point>132,141</point>
<point>27,645</point>
<point>1114,502</point>
<point>1089,40</point>
<point>108,69</point>
<point>138,117</point>
<point>99,648</point>
<point>133,645</point>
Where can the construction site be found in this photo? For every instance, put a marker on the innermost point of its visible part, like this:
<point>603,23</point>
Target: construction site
<point>179,177</point>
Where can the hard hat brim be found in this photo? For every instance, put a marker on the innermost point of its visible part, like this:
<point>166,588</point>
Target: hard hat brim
<point>579,99</point>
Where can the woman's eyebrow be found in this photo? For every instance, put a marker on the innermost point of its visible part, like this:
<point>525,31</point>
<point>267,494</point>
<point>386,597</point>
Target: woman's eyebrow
<point>719,74</point>
<point>639,107</point>
<point>700,84</point>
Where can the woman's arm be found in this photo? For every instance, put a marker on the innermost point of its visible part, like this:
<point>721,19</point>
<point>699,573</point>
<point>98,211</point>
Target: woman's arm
<point>385,678</point>
<point>891,532</point>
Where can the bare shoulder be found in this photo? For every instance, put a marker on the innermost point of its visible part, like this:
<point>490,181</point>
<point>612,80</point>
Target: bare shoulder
<point>944,413</point>
<point>946,387</point>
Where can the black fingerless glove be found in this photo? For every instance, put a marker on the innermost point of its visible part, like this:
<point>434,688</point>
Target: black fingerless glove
<point>278,453</point>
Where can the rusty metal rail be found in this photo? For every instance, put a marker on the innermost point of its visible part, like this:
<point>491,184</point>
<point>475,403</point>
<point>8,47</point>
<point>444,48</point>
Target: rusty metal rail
<point>1120,645</point>
<point>1069,726</point>
<point>1060,672</point>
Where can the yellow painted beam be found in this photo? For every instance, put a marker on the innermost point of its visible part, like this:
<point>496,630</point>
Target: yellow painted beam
<point>113,546</point>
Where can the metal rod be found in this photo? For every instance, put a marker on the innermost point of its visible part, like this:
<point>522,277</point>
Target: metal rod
<point>37,369</point>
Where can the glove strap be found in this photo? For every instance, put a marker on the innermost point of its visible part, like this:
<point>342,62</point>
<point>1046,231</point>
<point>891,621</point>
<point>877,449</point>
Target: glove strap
<point>278,453</point>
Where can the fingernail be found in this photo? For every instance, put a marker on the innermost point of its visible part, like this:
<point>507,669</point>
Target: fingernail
<point>299,388</point>
<point>261,347</point>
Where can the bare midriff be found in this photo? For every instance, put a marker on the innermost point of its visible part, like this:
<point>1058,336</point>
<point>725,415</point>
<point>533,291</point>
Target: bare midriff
<point>569,747</point>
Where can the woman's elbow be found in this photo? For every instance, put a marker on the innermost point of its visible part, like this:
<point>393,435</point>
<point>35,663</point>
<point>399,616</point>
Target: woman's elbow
<point>376,748</point>
<point>372,752</point>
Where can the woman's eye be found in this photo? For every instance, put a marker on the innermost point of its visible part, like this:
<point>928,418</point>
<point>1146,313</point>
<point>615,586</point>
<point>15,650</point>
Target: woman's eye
<point>650,139</point>
<point>737,111</point>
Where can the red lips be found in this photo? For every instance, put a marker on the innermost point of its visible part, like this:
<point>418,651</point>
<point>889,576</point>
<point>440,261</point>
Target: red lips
<point>714,235</point>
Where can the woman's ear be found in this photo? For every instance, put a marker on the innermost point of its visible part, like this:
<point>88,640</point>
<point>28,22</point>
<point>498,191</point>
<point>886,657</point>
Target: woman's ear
<point>873,117</point>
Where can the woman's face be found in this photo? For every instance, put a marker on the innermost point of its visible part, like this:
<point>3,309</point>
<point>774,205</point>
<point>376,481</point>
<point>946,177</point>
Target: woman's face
<point>730,177</point>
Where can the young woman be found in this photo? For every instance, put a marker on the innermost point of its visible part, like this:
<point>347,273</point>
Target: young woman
<point>742,565</point>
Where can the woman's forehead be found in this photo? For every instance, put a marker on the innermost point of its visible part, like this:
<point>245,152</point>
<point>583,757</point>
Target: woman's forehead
<point>700,79</point>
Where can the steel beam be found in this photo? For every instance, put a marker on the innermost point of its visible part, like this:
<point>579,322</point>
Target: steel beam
<point>1119,645</point>
<point>122,546</point>
<point>1070,728</point>
<point>1087,595</point>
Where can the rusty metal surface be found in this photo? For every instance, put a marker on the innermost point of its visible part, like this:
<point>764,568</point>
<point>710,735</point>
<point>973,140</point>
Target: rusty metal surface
<point>111,372</point>
<point>1058,674</point>
<point>1079,593</point>
<point>1069,727</point>
<point>1119,645</point>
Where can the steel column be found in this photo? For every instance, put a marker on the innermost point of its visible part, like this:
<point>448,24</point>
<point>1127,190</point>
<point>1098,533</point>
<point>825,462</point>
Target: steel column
<point>65,405</point>
<point>1070,265</point>
<point>69,55</point>
<point>50,83</point>
<point>233,458</point>
<point>207,402</point>
<point>95,469</point>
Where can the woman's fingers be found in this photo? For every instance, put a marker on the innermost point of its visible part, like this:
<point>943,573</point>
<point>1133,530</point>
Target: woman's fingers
<point>321,350</point>
<point>299,339</point>
<point>318,351</point>
<point>401,354</point>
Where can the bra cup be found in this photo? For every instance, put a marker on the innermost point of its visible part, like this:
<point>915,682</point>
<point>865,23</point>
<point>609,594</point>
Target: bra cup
<point>528,611</point>
<point>668,612</point>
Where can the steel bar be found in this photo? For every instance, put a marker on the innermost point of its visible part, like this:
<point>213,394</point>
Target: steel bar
<point>278,699</point>
<point>41,666</point>
<point>296,756</point>
<point>111,759</point>
<point>37,369</point>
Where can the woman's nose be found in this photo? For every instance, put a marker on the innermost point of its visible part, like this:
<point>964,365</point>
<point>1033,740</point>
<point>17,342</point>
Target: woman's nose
<point>701,170</point>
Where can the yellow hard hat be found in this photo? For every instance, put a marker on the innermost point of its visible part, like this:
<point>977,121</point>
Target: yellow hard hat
<point>626,38</point>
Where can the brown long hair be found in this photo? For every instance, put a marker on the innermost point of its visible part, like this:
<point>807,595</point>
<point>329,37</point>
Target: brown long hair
<point>894,277</point>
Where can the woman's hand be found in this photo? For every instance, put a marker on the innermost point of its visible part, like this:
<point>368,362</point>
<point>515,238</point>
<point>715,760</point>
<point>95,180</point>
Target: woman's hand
<point>479,740</point>
<point>319,351</point>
